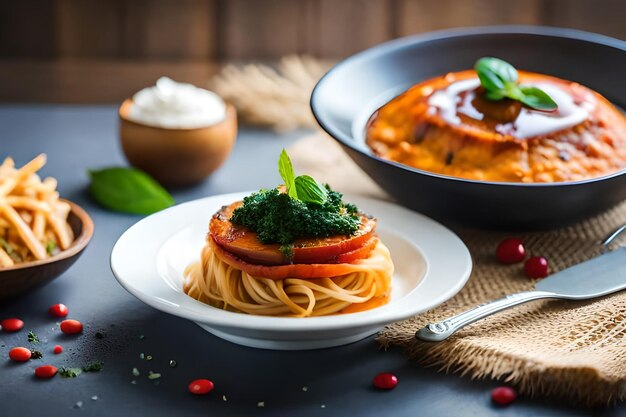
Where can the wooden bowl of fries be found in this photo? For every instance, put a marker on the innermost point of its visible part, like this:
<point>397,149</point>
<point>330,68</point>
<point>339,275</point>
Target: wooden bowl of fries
<point>41,235</point>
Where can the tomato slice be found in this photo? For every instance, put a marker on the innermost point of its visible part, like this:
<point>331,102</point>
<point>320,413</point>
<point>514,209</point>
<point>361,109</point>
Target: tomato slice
<point>245,244</point>
<point>359,253</point>
<point>304,271</point>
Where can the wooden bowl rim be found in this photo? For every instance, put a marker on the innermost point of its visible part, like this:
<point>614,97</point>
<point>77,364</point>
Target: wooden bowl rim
<point>231,115</point>
<point>78,245</point>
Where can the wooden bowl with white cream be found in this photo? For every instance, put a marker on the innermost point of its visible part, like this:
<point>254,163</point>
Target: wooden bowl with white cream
<point>176,132</point>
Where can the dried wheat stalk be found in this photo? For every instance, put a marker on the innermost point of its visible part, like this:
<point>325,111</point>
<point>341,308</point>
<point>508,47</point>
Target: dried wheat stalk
<point>276,97</point>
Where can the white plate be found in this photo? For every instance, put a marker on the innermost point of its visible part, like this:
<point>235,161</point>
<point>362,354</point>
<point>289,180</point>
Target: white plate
<point>432,264</point>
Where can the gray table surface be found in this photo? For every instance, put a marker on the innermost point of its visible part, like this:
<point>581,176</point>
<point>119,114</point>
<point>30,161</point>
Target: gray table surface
<point>338,379</point>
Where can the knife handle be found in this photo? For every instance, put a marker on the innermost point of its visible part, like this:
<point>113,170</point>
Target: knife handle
<point>436,332</point>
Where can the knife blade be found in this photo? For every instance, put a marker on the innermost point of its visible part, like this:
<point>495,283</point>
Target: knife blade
<point>599,276</point>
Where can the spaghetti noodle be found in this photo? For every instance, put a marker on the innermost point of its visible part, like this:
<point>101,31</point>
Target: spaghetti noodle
<point>213,281</point>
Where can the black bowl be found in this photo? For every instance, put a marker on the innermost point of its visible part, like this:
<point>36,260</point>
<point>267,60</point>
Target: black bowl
<point>348,94</point>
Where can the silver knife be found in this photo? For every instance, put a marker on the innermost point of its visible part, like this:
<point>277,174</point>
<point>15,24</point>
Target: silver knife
<point>602,275</point>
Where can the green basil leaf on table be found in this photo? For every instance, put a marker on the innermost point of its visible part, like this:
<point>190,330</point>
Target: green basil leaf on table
<point>287,174</point>
<point>128,190</point>
<point>310,191</point>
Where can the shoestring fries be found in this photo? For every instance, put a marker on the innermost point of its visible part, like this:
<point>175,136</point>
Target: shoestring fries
<point>33,221</point>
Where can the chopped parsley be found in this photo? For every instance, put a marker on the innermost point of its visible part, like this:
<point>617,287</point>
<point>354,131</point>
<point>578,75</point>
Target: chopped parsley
<point>278,218</point>
<point>51,247</point>
<point>32,337</point>
<point>35,354</point>
<point>66,372</point>
<point>7,248</point>
<point>95,366</point>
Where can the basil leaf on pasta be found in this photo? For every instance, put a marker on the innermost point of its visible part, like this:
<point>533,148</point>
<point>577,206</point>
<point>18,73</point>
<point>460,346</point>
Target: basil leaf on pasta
<point>287,174</point>
<point>310,191</point>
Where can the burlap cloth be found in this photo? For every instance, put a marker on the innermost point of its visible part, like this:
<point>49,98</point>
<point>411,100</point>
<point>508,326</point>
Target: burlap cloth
<point>575,350</point>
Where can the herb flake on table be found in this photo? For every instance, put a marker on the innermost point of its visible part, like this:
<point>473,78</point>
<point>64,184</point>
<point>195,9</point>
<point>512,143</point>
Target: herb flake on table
<point>32,337</point>
<point>95,366</point>
<point>153,375</point>
<point>67,372</point>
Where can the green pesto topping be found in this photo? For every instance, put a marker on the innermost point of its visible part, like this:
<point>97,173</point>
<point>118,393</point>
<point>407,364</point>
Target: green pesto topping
<point>287,250</point>
<point>278,218</point>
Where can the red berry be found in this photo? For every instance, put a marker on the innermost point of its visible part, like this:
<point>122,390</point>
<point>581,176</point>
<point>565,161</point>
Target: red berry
<point>200,386</point>
<point>503,395</point>
<point>510,251</point>
<point>385,380</point>
<point>12,325</point>
<point>46,371</point>
<point>57,349</point>
<point>71,326</point>
<point>20,354</point>
<point>536,267</point>
<point>58,310</point>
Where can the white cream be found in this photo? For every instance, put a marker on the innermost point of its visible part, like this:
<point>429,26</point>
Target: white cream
<point>174,105</point>
<point>532,123</point>
<point>449,104</point>
<point>447,100</point>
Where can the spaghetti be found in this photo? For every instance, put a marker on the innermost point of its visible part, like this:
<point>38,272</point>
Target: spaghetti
<point>214,281</point>
<point>296,250</point>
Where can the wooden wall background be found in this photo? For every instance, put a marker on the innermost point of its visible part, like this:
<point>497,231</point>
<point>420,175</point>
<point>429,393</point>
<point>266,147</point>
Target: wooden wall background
<point>83,51</point>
